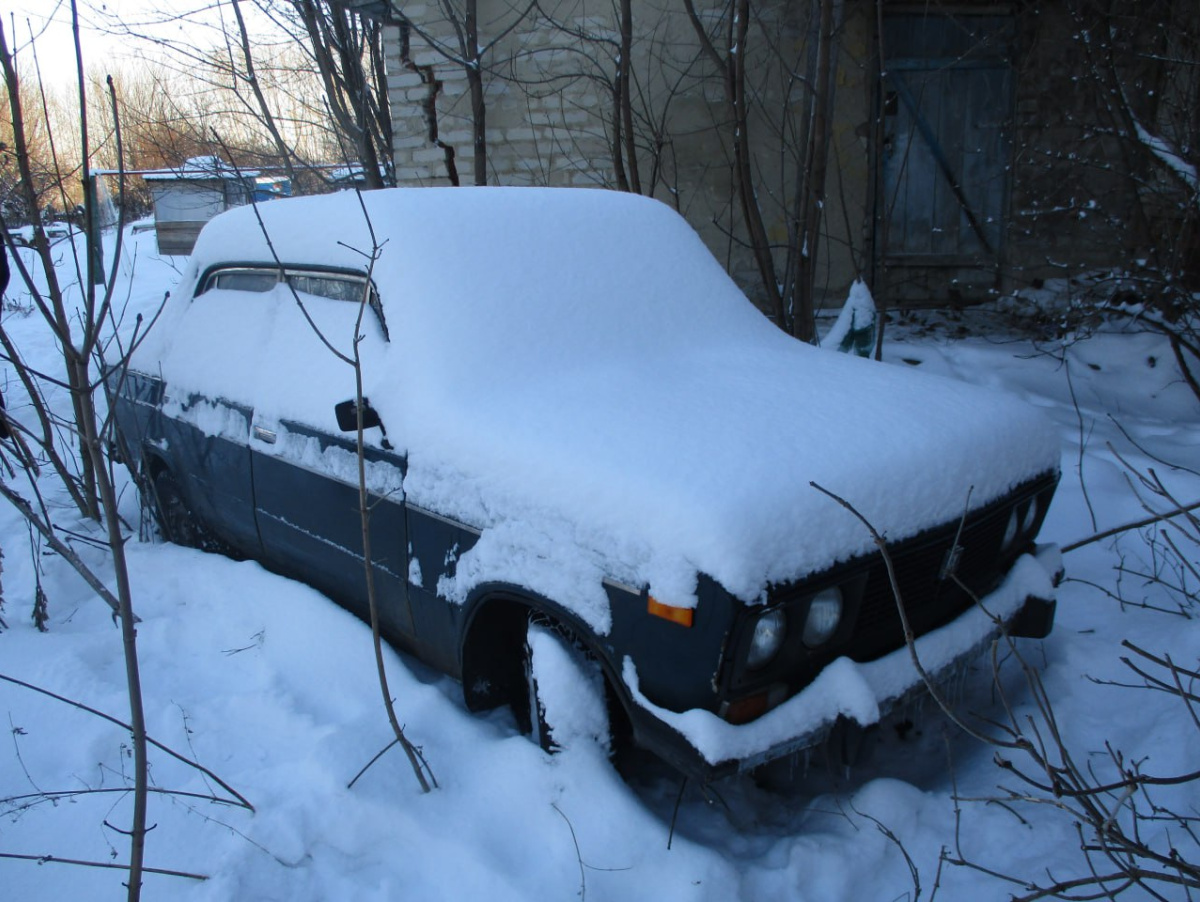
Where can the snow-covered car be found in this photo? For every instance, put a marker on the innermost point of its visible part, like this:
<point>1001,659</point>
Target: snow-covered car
<point>579,433</point>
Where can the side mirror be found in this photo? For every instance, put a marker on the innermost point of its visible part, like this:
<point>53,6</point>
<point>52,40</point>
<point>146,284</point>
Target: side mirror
<point>347,415</point>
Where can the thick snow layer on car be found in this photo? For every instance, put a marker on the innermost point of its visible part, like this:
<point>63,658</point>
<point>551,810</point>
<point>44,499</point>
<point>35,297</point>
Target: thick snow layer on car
<point>573,372</point>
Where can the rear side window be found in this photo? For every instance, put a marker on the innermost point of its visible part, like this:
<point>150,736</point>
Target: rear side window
<point>335,286</point>
<point>338,288</point>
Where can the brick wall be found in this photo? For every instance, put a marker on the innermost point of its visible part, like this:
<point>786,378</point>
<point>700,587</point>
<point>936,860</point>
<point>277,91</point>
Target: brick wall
<point>550,119</point>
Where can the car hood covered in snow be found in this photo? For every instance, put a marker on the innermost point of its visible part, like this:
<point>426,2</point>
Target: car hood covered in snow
<point>572,372</point>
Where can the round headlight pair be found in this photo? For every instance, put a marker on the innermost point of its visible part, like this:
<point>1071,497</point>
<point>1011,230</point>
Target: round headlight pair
<point>822,621</point>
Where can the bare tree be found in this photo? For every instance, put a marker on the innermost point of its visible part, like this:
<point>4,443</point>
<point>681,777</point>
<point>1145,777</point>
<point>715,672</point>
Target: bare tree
<point>78,332</point>
<point>360,413</point>
<point>347,50</point>
<point>778,92</point>
<point>1144,67</point>
<point>294,86</point>
<point>250,75</point>
<point>811,168</point>
<point>1111,170</point>
<point>634,65</point>
<point>726,44</point>
<point>39,179</point>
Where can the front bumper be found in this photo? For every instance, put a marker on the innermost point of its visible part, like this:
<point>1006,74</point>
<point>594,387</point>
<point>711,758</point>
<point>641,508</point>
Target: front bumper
<point>705,747</point>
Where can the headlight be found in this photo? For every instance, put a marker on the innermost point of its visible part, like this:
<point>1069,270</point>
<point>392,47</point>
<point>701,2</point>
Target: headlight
<point>1030,517</point>
<point>1010,531</point>
<point>767,639</point>
<point>824,617</point>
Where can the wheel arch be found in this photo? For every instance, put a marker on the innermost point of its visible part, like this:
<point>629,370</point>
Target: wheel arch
<point>492,651</point>
<point>153,462</point>
<point>146,470</point>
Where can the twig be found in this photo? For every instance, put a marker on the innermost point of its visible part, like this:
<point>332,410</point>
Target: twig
<point>1082,441</point>
<point>675,811</point>
<point>415,757</point>
<point>62,548</point>
<point>578,854</point>
<point>241,800</point>
<point>71,793</point>
<point>367,766</point>
<point>1136,524</point>
<point>17,731</point>
<point>1162,662</point>
<point>913,871</point>
<point>52,859</point>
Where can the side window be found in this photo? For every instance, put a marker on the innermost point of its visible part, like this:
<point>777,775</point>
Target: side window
<point>334,286</point>
<point>256,280</point>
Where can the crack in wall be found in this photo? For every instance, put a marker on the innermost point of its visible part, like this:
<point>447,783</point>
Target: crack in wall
<point>429,102</point>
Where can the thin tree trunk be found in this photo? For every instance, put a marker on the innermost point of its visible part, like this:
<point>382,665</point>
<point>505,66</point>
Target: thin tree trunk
<point>415,759</point>
<point>133,679</point>
<point>733,74</point>
<point>380,115</point>
<point>77,361</point>
<point>811,182</point>
<point>474,68</point>
<point>350,52</point>
<point>625,98</point>
<point>264,108</point>
<point>81,489</point>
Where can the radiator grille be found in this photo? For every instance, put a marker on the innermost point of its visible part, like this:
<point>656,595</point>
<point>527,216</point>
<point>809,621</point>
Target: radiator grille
<point>929,600</point>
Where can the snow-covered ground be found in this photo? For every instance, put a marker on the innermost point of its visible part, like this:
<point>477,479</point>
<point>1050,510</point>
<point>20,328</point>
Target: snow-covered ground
<point>271,687</point>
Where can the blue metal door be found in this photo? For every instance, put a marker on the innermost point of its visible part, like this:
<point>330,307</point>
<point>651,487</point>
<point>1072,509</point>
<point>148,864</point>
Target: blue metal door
<point>946,98</point>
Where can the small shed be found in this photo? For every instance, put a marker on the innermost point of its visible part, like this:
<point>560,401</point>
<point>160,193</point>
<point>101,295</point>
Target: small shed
<point>188,197</point>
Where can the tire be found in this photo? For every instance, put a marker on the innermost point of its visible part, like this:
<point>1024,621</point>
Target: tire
<point>175,519</point>
<point>565,692</point>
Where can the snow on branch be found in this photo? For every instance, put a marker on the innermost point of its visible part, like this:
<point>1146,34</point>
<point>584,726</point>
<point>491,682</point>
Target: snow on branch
<point>1170,158</point>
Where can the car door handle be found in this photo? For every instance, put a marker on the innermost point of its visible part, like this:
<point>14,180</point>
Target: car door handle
<point>265,435</point>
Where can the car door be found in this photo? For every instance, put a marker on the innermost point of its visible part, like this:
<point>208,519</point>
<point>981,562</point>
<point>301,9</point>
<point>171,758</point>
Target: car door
<point>305,471</point>
<point>209,370</point>
<point>208,438</point>
<point>306,501</point>
<point>212,466</point>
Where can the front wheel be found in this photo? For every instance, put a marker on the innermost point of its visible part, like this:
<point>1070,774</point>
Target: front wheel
<point>568,706</point>
<point>175,519</point>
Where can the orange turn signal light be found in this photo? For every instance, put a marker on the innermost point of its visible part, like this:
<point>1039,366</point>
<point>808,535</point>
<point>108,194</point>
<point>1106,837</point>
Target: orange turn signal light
<point>682,616</point>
